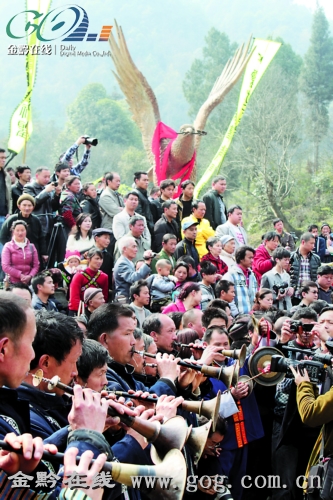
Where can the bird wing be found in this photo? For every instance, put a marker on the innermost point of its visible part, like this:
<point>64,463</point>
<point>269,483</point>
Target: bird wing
<point>139,95</point>
<point>228,78</point>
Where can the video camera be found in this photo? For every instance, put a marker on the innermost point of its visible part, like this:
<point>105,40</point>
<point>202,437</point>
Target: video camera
<point>90,140</point>
<point>316,370</point>
<point>315,356</point>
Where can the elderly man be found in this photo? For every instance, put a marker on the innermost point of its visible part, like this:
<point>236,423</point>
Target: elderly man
<point>124,270</point>
<point>233,227</point>
<point>120,225</point>
<point>136,230</point>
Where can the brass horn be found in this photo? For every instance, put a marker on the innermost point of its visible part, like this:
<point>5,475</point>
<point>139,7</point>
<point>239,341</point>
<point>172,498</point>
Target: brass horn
<point>221,373</point>
<point>196,440</point>
<point>173,465</point>
<point>170,435</point>
<point>235,374</point>
<point>209,409</point>
<point>230,353</point>
<point>239,354</point>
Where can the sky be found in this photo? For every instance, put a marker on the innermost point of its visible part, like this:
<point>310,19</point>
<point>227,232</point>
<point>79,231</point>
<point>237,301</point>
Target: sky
<point>327,4</point>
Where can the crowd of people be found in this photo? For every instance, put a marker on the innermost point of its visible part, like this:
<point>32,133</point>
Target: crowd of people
<point>94,279</point>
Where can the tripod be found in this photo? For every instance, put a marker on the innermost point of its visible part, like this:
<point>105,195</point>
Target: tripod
<point>57,245</point>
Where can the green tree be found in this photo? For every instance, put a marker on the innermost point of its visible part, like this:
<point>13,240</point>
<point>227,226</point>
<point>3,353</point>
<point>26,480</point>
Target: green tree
<point>94,112</point>
<point>264,152</point>
<point>317,81</point>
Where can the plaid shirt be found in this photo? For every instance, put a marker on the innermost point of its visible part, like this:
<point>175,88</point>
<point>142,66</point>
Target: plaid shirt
<point>245,294</point>
<point>78,169</point>
<point>304,275</point>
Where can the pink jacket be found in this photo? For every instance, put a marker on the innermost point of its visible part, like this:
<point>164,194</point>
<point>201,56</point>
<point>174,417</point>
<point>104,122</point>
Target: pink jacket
<point>262,262</point>
<point>16,261</point>
<point>178,306</point>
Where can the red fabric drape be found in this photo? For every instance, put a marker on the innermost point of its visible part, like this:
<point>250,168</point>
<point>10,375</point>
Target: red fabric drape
<point>162,131</point>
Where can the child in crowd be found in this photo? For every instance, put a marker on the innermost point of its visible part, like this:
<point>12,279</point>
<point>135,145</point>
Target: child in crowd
<point>70,266</point>
<point>208,273</point>
<point>162,285</point>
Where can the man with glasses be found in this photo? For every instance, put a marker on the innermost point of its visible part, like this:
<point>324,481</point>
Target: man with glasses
<point>309,293</point>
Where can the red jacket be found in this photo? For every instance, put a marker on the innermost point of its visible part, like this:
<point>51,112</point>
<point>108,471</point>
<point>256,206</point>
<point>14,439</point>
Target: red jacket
<point>79,284</point>
<point>262,262</point>
<point>221,266</point>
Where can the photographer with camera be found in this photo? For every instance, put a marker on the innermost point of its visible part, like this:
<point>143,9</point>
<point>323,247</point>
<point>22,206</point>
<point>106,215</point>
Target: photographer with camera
<point>292,442</point>
<point>278,280</point>
<point>317,411</point>
<point>67,157</point>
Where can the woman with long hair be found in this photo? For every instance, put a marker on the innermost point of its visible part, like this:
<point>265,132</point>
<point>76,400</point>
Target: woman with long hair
<point>19,257</point>
<point>90,205</point>
<point>82,239</point>
<point>181,272</point>
<point>189,298</point>
<point>263,301</point>
<point>69,201</point>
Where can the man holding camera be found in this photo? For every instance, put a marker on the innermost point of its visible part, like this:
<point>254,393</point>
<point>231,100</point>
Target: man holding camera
<point>68,156</point>
<point>292,442</point>
<point>278,279</point>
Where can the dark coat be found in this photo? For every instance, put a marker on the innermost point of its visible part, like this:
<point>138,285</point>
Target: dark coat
<point>295,264</point>
<point>120,378</point>
<point>186,247</point>
<point>156,209</point>
<point>161,228</point>
<point>17,191</point>
<point>35,232</point>
<point>46,204</point>
<point>90,205</point>
<point>213,210</point>
<point>48,412</point>
<point>320,248</point>
<point>144,208</point>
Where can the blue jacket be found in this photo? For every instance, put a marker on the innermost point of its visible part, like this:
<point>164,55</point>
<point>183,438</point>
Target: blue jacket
<point>253,425</point>
<point>120,378</point>
<point>44,407</point>
<point>320,248</point>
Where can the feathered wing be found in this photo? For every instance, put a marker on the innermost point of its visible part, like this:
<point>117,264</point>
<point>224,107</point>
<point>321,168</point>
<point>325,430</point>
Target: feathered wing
<point>139,95</point>
<point>228,78</point>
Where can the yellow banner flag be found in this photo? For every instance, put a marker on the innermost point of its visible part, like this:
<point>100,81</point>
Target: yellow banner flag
<point>263,53</point>
<point>21,121</point>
